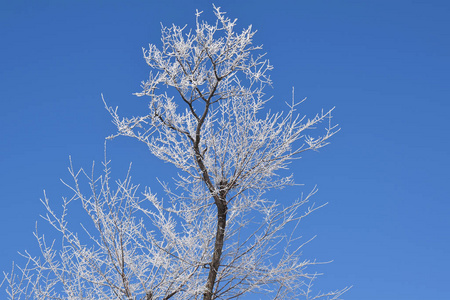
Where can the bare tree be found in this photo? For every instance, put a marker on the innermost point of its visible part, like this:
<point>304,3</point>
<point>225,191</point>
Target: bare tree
<point>216,236</point>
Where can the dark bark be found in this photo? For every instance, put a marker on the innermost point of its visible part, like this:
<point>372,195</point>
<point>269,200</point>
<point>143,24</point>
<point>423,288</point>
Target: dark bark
<point>220,196</point>
<point>220,200</point>
<point>222,208</point>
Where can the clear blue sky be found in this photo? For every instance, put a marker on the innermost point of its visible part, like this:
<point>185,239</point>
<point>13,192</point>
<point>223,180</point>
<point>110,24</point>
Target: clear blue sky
<point>384,64</point>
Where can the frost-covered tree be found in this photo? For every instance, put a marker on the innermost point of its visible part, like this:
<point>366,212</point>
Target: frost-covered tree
<point>216,235</point>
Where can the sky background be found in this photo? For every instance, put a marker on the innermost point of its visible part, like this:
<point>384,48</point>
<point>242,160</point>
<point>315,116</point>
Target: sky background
<point>384,64</point>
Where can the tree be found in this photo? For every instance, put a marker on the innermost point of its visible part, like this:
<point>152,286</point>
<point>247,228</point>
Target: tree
<point>217,236</point>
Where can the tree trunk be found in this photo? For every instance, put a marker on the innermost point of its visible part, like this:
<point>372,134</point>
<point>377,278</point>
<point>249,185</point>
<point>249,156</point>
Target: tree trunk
<point>218,245</point>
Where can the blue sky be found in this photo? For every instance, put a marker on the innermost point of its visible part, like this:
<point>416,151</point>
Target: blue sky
<point>383,64</point>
